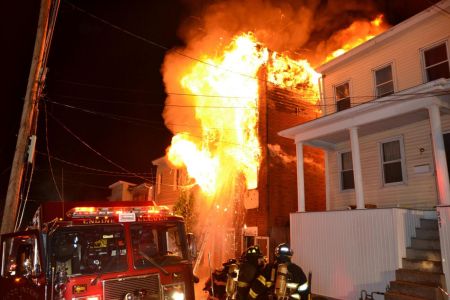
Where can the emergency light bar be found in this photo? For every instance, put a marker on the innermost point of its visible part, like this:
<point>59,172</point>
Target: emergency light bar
<point>93,212</point>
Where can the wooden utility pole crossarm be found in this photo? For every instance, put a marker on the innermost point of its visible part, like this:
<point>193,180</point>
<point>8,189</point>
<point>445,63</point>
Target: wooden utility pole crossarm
<point>28,114</point>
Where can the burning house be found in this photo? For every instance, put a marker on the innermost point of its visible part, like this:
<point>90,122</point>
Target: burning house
<point>230,90</point>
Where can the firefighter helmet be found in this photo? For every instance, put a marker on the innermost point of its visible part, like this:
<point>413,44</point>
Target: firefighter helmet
<point>283,250</point>
<point>253,252</point>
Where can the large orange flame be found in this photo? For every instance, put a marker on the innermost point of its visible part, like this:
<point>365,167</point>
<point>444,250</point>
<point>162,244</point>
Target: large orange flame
<point>356,34</point>
<point>228,117</point>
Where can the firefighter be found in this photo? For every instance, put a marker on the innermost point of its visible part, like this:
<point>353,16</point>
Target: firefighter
<point>260,287</point>
<point>287,280</point>
<point>250,268</point>
<point>220,281</point>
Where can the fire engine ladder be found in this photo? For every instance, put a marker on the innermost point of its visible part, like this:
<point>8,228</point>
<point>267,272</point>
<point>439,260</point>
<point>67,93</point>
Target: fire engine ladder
<point>203,239</point>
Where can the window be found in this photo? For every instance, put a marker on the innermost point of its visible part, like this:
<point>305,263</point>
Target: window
<point>20,255</point>
<point>82,250</point>
<point>342,96</point>
<point>347,180</point>
<point>156,245</point>
<point>436,62</point>
<point>392,161</point>
<point>384,84</point>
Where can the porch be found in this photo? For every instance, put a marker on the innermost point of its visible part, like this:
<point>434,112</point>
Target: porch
<point>397,115</point>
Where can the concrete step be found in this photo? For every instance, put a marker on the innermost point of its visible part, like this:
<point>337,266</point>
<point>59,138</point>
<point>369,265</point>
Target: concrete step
<point>427,234</point>
<point>419,277</point>
<point>422,265</point>
<point>429,224</point>
<point>428,254</point>
<point>425,244</point>
<point>396,296</point>
<point>415,290</point>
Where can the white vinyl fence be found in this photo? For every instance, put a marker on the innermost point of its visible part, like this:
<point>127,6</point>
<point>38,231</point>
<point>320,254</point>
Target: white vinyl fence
<point>443,213</point>
<point>351,250</point>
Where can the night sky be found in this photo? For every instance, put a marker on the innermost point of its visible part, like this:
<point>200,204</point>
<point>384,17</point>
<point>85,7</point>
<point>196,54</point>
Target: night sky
<point>105,87</point>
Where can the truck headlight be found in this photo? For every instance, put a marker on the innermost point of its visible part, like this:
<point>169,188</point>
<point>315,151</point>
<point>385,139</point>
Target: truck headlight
<point>88,298</point>
<point>174,291</point>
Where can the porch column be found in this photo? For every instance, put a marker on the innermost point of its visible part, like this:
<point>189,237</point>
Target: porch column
<point>300,178</point>
<point>357,174</point>
<point>327,179</point>
<point>439,155</point>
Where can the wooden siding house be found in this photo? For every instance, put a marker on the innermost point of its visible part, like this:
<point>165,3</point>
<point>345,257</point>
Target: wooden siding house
<point>169,181</point>
<point>385,133</point>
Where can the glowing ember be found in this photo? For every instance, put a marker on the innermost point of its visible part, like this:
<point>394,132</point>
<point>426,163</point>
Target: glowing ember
<point>229,138</point>
<point>356,34</point>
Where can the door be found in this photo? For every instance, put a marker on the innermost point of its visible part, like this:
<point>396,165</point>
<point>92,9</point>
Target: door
<point>22,275</point>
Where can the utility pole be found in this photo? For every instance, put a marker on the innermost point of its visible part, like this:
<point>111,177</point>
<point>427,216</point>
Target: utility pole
<point>29,114</point>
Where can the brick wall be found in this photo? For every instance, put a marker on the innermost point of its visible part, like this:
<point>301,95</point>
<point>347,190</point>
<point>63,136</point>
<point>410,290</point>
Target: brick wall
<point>281,109</point>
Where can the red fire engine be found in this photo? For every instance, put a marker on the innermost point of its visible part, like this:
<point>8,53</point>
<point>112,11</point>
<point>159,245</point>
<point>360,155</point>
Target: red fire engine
<point>99,251</point>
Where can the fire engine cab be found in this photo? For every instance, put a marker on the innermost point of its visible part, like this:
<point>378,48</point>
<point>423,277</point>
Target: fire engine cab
<point>99,251</point>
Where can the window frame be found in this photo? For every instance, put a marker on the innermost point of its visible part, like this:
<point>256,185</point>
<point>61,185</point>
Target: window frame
<point>341,181</point>
<point>402,160</point>
<point>374,72</point>
<point>422,56</point>
<point>336,100</point>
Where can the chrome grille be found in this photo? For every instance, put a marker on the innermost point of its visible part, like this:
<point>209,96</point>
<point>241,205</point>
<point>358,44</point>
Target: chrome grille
<point>116,289</point>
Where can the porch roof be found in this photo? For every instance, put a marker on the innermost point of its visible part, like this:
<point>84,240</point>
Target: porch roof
<point>381,114</point>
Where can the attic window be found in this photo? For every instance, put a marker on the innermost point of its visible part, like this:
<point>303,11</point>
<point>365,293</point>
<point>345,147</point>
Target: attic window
<point>342,93</point>
<point>436,62</point>
<point>384,83</point>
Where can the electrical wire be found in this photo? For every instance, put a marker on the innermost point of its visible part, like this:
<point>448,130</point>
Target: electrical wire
<point>108,172</point>
<point>149,92</point>
<point>48,153</point>
<point>155,44</point>
<point>157,104</point>
<point>301,98</point>
<point>131,120</point>
<point>92,149</point>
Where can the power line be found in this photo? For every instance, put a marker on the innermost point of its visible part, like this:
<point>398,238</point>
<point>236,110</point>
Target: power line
<point>150,42</point>
<point>93,150</point>
<point>301,98</point>
<point>150,92</point>
<point>98,174</point>
<point>161,105</point>
<point>138,121</point>
<point>48,154</point>
<point>129,119</point>
<point>112,173</point>
<point>165,48</point>
<point>78,183</point>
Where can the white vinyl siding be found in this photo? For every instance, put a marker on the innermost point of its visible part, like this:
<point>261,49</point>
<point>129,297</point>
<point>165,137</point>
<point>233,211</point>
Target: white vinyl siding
<point>420,190</point>
<point>405,54</point>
